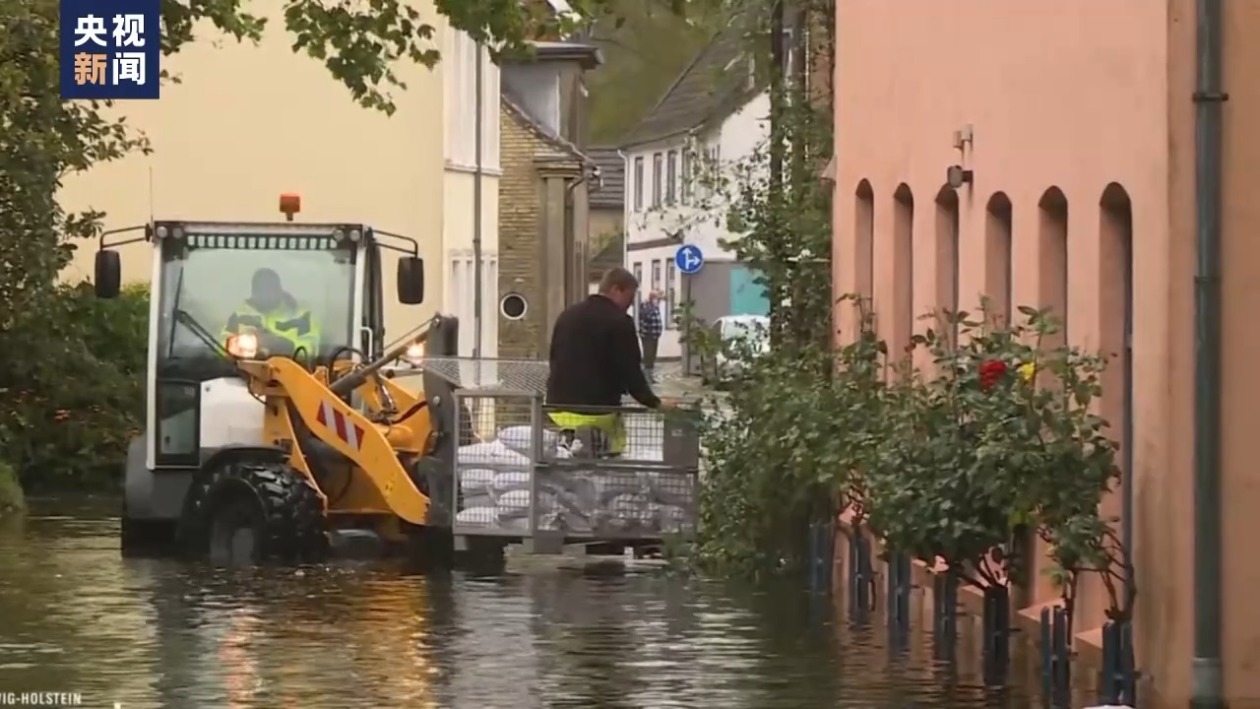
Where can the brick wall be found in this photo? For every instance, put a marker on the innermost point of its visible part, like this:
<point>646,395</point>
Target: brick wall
<point>519,231</point>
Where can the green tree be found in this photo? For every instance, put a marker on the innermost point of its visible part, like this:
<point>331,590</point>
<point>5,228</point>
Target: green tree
<point>645,45</point>
<point>52,361</point>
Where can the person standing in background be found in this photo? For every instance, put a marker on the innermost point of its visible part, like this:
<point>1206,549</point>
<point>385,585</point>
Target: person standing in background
<point>650,327</point>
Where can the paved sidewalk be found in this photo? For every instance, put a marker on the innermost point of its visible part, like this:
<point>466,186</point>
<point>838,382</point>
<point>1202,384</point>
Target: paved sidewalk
<point>670,381</point>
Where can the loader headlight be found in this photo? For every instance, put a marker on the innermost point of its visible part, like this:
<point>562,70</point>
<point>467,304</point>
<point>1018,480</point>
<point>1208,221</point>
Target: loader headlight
<point>243,346</point>
<point>415,353</point>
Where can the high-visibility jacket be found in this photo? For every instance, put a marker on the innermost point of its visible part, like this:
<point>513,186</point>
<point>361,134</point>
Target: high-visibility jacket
<point>295,325</point>
<point>612,425</point>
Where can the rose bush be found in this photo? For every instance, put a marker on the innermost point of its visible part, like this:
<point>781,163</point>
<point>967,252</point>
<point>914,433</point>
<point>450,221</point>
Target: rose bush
<point>952,460</point>
<point>996,436</point>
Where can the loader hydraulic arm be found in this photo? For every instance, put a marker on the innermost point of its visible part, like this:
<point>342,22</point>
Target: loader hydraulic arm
<point>355,379</point>
<point>340,427</point>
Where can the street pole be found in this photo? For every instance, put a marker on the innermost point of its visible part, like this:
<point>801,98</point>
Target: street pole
<point>477,275</point>
<point>1207,682</point>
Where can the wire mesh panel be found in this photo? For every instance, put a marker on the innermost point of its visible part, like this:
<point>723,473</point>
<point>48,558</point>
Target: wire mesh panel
<point>608,501</point>
<point>627,474</point>
<point>505,375</point>
<point>631,476</point>
<point>495,475</point>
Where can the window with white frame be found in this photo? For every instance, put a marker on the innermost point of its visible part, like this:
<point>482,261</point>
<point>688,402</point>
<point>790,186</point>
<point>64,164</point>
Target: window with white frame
<point>671,295</point>
<point>638,184</point>
<point>461,288</point>
<point>459,60</point>
<point>656,275</point>
<point>671,178</point>
<point>713,168</point>
<point>656,179</point>
<point>638,276</point>
<point>686,174</point>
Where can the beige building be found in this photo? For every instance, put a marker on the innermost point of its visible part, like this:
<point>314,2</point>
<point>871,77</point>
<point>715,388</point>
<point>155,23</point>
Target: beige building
<point>1077,123</point>
<point>248,123</point>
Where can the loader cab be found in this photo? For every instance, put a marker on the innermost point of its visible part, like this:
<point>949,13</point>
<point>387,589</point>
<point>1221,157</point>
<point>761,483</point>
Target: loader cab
<point>205,274</point>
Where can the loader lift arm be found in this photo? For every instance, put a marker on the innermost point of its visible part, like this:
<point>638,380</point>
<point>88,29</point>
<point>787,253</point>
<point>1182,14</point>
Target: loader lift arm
<point>285,385</point>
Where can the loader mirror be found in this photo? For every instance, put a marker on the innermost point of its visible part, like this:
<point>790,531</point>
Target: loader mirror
<point>411,280</point>
<point>108,277</point>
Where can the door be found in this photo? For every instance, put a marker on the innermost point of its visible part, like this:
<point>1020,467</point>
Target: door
<point>748,297</point>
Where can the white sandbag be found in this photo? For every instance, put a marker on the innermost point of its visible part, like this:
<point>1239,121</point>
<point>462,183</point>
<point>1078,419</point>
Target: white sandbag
<point>607,523</point>
<point>504,513</point>
<point>514,499</point>
<point>490,453</point>
<point>578,492</point>
<point>514,524</point>
<point>564,522</point>
<point>509,502</point>
<point>521,439</point>
<point>628,505</point>
<point>610,485</point>
<point>476,480</point>
<point>477,499</point>
<point>478,517</point>
<point>561,502</point>
<point>669,488</point>
<point>671,519</point>
<point>650,514</point>
<point>510,480</point>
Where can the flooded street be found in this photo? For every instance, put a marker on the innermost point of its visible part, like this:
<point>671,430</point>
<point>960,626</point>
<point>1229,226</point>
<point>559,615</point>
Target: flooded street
<point>76,617</point>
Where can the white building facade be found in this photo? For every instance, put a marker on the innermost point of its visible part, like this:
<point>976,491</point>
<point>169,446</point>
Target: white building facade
<point>674,198</point>
<point>470,211</point>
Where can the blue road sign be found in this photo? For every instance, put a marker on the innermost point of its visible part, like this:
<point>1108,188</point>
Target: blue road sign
<point>689,258</point>
<point>110,49</point>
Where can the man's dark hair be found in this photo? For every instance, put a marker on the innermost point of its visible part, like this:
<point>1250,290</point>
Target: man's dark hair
<point>617,278</point>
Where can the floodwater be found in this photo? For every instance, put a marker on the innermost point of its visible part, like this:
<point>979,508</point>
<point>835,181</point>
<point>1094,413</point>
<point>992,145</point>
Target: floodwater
<point>76,617</point>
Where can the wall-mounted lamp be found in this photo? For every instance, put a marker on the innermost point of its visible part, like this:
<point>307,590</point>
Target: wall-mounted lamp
<point>956,176</point>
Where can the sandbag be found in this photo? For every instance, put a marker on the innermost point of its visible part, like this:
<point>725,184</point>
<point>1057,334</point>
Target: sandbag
<point>477,499</point>
<point>669,488</point>
<point>477,517</point>
<point>476,480</point>
<point>510,480</point>
<point>490,453</point>
<point>516,499</point>
<point>520,439</point>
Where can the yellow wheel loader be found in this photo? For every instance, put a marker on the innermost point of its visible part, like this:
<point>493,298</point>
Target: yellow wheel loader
<point>273,424</point>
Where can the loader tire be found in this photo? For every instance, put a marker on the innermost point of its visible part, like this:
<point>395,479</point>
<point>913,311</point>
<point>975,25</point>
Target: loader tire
<point>252,512</point>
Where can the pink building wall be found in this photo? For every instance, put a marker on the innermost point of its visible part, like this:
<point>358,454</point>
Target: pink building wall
<point>1091,98</point>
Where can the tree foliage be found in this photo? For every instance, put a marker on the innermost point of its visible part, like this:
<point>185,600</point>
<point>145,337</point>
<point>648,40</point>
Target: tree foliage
<point>73,388</point>
<point>645,47</point>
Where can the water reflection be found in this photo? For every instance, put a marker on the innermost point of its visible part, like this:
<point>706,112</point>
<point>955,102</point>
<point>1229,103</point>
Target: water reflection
<point>74,616</point>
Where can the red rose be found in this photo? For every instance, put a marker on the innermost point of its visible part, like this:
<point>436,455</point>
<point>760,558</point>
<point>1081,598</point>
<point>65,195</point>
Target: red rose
<point>991,371</point>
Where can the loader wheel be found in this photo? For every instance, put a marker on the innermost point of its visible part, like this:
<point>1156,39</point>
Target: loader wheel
<point>253,512</point>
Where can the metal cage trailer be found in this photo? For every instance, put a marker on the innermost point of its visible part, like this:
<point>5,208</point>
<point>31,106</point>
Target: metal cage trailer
<point>532,477</point>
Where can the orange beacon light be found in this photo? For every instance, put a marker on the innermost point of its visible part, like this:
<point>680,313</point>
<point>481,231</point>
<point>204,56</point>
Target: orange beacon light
<point>290,204</point>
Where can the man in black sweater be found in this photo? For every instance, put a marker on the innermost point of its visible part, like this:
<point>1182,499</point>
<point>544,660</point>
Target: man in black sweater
<point>595,358</point>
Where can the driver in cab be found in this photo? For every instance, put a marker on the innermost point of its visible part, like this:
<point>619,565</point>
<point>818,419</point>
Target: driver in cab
<point>274,316</point>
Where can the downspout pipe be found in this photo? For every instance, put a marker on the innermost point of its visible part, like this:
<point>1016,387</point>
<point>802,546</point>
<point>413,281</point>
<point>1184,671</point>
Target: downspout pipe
<point>574,293</point>
<point>478,130</point>
<point>1207,684</point>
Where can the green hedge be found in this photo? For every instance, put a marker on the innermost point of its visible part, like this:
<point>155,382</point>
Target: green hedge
<point>11,497</point>
<point>74,379</point>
